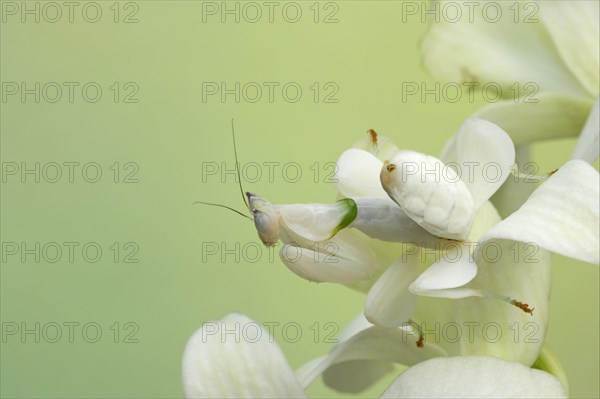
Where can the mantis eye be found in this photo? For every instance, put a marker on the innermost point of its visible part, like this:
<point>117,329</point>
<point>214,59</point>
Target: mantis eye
<point>267,227</point>
<point>266,219</point>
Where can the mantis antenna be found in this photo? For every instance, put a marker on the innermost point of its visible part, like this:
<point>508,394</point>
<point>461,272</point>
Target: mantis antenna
<point>237,168</point>
<point>237,165</point>
<point>222,206</point>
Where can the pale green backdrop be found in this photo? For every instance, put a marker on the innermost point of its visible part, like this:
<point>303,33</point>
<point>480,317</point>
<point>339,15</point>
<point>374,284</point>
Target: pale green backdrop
<point>164,140</point>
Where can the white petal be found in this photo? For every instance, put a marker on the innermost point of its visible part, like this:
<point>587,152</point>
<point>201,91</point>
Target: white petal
<point>372,344</point>
<point>548,116</point>
<point>486,218</point>
<point>357,174</point>
<point>343,259</point>
<point>587,147</point>
<point>386,253</point>
<point>449,293</point>
<point>454,266</point>
<point>356,375</point>
<point>560,216</point>
<point>480,319</point>
<point>430,192</point>
<point>356,325</point>
<point>317,222</point>
<point>574,28</point>
<point>547,361</point>
<point>455,269</point>
<point>380,146</point>
<point>474,377</point>
<point>506,270</point>
<point>515,190</point>
<point>248,364</point>
<point>500,52</point>
<point>485,155</point>
<point>389,303</point>
<point>383,219</point>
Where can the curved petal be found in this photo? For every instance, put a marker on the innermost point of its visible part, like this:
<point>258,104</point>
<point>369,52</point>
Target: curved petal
<point>372,344</point>
<point>357,174</point>
<point>380,146</point>
<point>455,269</point>
<point>547,361</point>
<point>364,372</point>
<point>502,312</point>
<point>344,259</point>
<point>560,216</point>
<point>478,47</point>
<point>356,325</point>
<point>547,116</point>
<point>356,375</point>
<point>485,155</point>
<point>588,146</point>
<point>474,377</point>
<point>574,28</point>
<point>386,253</point>
<point>389,303</point>
<point>218,365</point>
<point>515,190</point>
<point>454,266</point>
<point>512,195</point>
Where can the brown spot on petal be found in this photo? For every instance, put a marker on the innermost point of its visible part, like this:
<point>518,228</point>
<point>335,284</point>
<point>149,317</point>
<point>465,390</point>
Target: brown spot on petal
<point>373,136</point>
<point>421,341</point>
<point>390,167</point>
<point>523,306</point>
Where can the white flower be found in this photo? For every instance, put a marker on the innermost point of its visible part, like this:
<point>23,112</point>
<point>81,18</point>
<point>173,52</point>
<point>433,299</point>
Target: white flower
<point>482,283</point>
<point>509,266</point>
<point>550,47</point>
<point>474,377</point>
<point>391,302</point>
<point>238,358</point>
<point>543,59</point>
<point>219,365</point>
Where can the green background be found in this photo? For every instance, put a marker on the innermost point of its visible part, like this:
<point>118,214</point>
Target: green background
<point>170,133</point>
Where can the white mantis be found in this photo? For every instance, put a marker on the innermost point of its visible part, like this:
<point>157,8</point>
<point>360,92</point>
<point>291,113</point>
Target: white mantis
<point>417,209</point>
<point>315,222</point>
<point>387,199</point>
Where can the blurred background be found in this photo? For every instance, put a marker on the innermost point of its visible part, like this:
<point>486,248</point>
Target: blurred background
<point>115,117</point>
